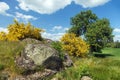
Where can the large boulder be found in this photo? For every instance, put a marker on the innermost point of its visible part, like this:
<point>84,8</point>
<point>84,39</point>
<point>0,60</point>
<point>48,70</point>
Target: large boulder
<point>31,41</point>
<point>35,55</point>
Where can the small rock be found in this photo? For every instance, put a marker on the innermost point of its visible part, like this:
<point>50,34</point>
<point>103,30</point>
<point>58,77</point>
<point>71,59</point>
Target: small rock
<point>86,78</point>
<point>67,61</point>
<point>36,76</point>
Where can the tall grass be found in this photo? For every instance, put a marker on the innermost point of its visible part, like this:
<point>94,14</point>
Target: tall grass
<point>8,51</point>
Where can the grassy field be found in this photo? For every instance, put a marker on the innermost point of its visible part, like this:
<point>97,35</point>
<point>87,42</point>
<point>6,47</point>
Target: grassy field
<point>107,68</point>
<point>114,51</point>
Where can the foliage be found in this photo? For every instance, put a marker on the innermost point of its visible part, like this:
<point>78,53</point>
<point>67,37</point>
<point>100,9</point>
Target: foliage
<point>74,45</point>
<point>117,44</point>
<point>3,36</point>
<point>18,31</point>
<point>99,34</point>
<point>58,46</point>
<point>1,67</point>
<point>8,51</point>
<point>73,73</point>
<point>81,22</point>
<point>96,68</point>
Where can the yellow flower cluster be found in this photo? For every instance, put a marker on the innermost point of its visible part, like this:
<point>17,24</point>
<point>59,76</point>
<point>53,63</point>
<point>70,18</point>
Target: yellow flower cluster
<point>3,36</point>
<point>74,45</point>
<point>19,31</point>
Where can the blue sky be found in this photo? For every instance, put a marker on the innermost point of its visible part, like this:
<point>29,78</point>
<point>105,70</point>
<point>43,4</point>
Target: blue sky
<point>54,15</point>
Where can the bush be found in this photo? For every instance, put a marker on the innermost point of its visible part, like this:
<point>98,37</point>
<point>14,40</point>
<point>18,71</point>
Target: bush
<point>3,36</point>
<point>74,45</point>
<point>1,67</point>
<point>19,31</point>
<point>58,46</point>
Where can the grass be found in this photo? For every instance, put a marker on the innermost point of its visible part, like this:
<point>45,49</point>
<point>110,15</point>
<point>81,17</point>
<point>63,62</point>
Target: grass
<point>107,68</point>
<point>112,51</point>
<point>8,51</point>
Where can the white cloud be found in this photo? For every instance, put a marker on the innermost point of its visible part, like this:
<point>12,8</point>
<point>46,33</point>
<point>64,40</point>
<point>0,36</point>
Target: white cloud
<point>91,3</point>
<point>43,6</point>
<point>3,29</point>
<point>59,29</point>
<point>55,36</point>
<point>51,6</point>
<point>117,30</point>
<point>3,8</point>
<point>56,28</point>
<point>23,17</point>
<point>66,29</point>
<point>117,37</point>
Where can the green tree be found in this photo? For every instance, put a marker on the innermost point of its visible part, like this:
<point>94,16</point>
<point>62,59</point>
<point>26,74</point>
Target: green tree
<point>99,34</point>
<point>81,22</point>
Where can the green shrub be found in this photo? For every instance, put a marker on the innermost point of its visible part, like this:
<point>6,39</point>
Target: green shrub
<point>58,46</point>
<point>1,67</point>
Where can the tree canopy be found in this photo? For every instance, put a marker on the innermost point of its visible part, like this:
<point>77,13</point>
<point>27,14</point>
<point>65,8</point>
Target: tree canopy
<point>81,22</point>
<point>97,32</point>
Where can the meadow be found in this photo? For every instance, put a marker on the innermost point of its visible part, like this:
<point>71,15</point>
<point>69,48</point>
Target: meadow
<point>98,68</point>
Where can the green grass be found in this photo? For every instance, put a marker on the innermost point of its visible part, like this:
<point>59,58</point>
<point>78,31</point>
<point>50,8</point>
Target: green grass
<point>113,51</point>
<point>8,52</point>
<point>107,68</point>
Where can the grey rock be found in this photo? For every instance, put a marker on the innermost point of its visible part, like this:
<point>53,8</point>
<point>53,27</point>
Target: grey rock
<point>36,76</point>
<point>31,41</point>
<point>86,78</point>
<point>35,55</point>
<point>67,61</point>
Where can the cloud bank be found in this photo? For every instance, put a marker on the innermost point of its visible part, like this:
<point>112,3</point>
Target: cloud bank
<point>51,6</point>
<point>3,29</point>
<point>23,17</point>
<point>3,8</point>
<point>56,33</point>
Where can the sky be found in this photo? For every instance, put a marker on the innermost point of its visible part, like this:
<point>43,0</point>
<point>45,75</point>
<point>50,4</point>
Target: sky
<point>54,15</point>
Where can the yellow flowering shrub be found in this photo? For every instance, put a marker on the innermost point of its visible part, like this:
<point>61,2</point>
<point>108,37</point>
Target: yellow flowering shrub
<point>3,36</point>
<point>74,45</point>
<point>19,31</point>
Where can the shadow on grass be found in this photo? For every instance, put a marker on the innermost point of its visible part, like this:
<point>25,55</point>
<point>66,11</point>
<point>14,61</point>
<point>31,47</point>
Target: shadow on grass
<point>102,55</point>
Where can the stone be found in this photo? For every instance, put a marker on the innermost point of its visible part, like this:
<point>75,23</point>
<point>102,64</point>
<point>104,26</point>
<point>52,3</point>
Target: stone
<point>37,75</point>
<point>4,76</point>
<point>67,61</point>
<point>31,41</point>
<point>35,55</point>
<point>86,78</point>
